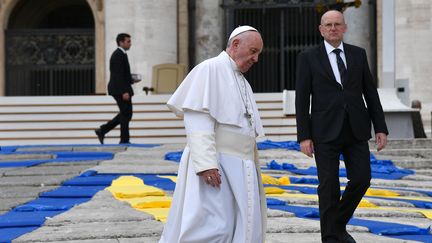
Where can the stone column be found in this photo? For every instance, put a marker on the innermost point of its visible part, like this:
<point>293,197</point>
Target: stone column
<point>153,27</point>
<point>359,30</point>
<point>183,33</point>
<point>209,40</point>
<point>6,7</point>
<point>97,8</point>
<point>388,43</point>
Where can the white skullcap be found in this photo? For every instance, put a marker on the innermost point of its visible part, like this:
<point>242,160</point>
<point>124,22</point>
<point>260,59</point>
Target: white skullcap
<point>237,31</point>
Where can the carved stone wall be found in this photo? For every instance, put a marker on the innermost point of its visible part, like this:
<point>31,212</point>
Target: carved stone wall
<point>97,7</point>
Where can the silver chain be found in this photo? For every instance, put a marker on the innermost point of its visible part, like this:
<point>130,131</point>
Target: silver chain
<point>245,100</point>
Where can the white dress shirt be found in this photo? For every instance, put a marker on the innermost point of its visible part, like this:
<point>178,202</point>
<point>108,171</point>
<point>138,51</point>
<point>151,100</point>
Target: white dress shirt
<point>332,57</point>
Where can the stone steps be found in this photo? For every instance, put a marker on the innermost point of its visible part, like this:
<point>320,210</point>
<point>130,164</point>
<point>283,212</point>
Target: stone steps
<point>104,219</point>
<point>72,119</point>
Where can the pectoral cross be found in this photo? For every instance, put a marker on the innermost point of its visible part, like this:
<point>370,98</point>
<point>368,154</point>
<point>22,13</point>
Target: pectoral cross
<point>249,117</point>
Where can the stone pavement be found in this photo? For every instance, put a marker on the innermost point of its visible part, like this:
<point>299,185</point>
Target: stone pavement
<point>104,219</point>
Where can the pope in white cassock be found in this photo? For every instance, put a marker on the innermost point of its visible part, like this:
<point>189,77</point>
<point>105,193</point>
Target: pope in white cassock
<point>219,195</point>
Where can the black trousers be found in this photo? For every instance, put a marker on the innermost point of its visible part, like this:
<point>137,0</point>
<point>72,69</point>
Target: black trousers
<point>123,118</point>
<point>336,211</point>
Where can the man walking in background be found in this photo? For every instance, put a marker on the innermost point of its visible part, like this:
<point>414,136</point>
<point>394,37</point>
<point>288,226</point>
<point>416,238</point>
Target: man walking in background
<point>337,77</point>
<point>120,88</point>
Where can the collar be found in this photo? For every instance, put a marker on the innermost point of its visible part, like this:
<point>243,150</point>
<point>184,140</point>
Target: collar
<point>329,48</point>
<point>232,62</point>
<point>123,50</point>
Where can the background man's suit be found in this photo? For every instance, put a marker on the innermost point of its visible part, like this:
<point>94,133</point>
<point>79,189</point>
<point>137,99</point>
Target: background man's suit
<point>120,83</point>
<point>339,122</point>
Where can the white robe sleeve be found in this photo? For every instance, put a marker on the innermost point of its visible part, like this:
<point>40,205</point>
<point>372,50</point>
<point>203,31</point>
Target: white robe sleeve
<point>200,132</point>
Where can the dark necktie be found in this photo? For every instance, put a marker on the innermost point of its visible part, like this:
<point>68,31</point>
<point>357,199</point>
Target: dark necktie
<point>341,65</point>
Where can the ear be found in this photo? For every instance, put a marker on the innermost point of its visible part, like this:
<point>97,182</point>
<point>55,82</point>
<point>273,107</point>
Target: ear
<point>235,43</point>
<point>345,28</point>
<point>320,28</point>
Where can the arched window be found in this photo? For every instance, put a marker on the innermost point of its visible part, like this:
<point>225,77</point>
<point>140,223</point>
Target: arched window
<point>50,48</point>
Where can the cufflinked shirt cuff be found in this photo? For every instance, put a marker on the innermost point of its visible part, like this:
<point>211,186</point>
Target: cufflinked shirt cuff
<point>202,151</point>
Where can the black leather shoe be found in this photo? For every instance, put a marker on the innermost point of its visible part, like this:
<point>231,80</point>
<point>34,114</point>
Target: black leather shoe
<point>346,238</point>
<point>100,135</point>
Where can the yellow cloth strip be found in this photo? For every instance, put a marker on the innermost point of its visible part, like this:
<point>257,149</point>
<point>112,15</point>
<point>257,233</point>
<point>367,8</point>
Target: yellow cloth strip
<point>142,197</point>
<point>366,204</point>
<point>127,181</point>
<point>160,214</point>
<point>135,191</point>
<point>131,186</point>
<point>380,192</point>
<point>282,181</point>
<point>273,190</point>
<point>172,178</point>
<point>149,202</point>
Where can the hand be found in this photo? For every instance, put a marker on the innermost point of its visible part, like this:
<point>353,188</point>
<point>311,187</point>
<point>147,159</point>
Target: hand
<point>211,177</point>
<point>307,147</point>
<point>380,141</point>
<point>125,96</point>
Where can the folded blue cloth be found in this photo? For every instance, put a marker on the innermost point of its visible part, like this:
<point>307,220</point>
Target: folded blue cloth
<point>73,192</point>
<point>156,181</point>
<point>60,157</point>
<point>381,170</point>
<point>25,219</point>
<point>268,144</point>
<point>50,204</point>
<point>11,233</point>
<point>304,180</point>
<point>174,156</point>
<point>97,180</point>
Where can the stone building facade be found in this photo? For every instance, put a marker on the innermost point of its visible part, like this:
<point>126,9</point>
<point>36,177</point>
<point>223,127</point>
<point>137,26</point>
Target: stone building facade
<point>189,31</point>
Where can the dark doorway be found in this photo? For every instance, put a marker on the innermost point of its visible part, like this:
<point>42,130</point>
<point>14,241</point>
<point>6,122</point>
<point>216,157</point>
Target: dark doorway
<point>50,49</point>
<point>287,28</point>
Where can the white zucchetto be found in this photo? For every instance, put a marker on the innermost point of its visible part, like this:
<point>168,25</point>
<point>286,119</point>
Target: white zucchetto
<point>240,30</point>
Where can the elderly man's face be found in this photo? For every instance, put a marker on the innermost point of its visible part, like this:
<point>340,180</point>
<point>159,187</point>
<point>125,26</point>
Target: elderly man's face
<point>247,50</point>
<point>332,27</point>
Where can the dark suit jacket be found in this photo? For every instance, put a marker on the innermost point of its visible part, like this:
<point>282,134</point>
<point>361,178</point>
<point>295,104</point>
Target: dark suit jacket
<point>120,76</point>
<point>330,101</point>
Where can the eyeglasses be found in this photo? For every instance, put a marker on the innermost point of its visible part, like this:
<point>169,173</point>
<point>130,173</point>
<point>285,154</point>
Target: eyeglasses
<point>333,25</point>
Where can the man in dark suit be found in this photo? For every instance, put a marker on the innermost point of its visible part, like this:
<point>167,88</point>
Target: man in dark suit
<point>120,88</point>
<point>335,77</point>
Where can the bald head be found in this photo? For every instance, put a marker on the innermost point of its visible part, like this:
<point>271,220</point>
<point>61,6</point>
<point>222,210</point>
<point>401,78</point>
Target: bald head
<point>332,14</point>
<point>245,48</point>
<point>333,27</point>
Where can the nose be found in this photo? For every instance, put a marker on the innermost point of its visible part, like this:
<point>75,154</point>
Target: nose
<point>255,58</point>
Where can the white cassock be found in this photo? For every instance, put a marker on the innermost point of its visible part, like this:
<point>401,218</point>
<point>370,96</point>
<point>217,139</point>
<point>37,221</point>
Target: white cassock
<point>213,100</point>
